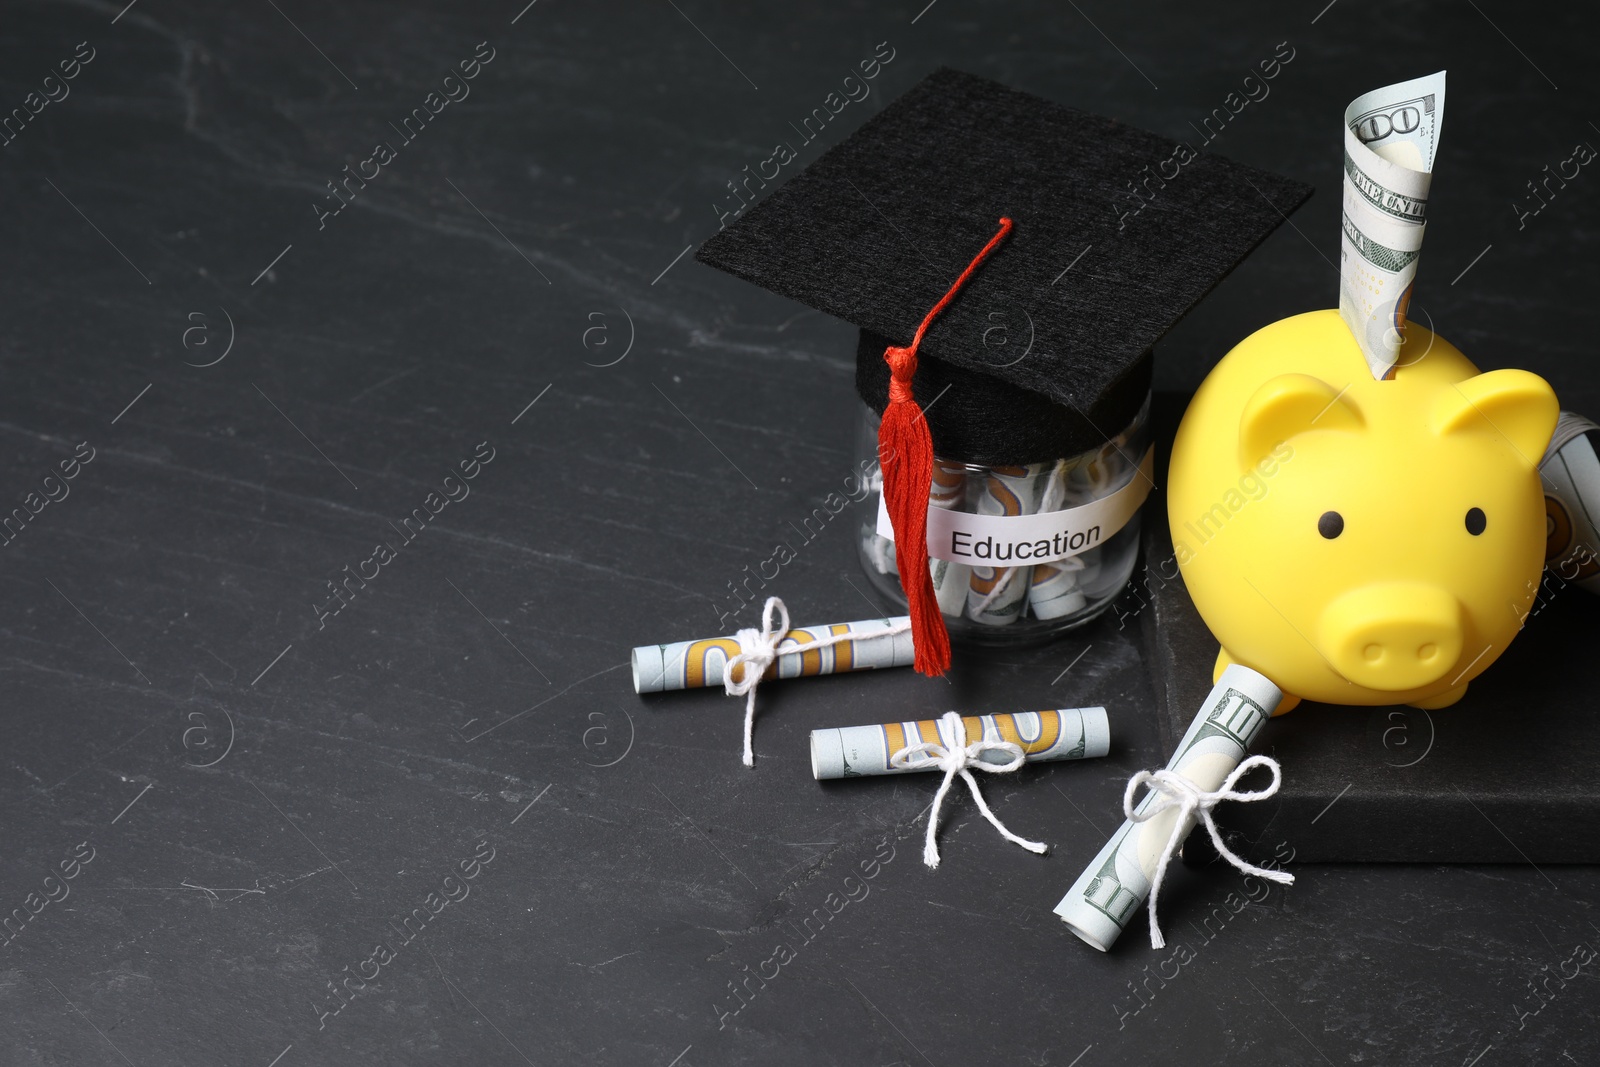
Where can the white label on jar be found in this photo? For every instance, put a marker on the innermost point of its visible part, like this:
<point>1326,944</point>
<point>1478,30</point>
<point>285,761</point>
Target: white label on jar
<point>1020,540</point>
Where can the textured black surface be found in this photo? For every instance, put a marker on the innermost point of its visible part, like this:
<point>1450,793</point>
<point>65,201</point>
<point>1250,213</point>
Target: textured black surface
<point>1118,233</point>
<point>369,756</point>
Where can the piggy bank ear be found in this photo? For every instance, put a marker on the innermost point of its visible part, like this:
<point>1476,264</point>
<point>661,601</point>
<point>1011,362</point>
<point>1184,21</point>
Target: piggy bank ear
<point>1288,405</point>
<point>1517,407</point>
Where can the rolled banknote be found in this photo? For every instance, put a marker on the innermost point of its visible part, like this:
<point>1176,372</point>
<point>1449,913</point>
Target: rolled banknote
<point>949,491</point>
<point>997,595</point>
<point>855,751</point>
<point>1571,473</point>
<point>1108,892</point>
<point>1390,137</point>
<point>950,584</point>
<point>1059,588</point>
<point>699,664</point>
<point>879,551</point>
<point>949,486</point>
<point>1055,589</point>
<point>950,580</point>
<point>1113,467</point>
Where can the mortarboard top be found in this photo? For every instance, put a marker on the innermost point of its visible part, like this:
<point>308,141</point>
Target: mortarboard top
<point>876,230</point>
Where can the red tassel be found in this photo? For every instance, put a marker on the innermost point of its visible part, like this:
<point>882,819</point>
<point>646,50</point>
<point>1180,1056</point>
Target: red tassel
<point>905,453</point>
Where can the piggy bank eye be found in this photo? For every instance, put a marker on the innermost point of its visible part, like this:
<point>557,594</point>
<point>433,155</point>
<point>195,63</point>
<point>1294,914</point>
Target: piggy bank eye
<point>1331,524</point>
<point>1476,521</point>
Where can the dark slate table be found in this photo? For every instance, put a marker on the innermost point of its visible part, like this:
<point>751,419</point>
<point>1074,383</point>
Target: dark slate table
<point>255,379</point>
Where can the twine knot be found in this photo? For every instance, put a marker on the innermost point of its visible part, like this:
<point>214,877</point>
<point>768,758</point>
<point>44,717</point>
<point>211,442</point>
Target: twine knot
<point>759,651</point>
<point>959,757</point>
<point>1169,791</point>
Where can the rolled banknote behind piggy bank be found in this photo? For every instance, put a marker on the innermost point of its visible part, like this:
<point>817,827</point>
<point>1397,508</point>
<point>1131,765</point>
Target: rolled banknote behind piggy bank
<point>1571,473</point>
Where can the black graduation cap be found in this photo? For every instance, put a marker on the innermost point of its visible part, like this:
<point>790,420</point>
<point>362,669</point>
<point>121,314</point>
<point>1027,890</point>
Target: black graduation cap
<point>1032,360</point>
<point>967,213</point>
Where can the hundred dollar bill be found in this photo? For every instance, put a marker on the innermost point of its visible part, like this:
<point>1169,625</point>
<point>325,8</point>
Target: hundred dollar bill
<point>855,751</point>
<point>1105,896</point>
<point>699,664</point>
<point>1390,137</point>
<point>1571,473</point>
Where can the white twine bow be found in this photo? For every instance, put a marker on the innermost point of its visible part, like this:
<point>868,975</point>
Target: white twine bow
<point>1172,790</point>
<point>955,760</point>
<point>758,651</point>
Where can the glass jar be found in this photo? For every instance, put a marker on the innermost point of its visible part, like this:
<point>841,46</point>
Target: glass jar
<point>1049,547</point>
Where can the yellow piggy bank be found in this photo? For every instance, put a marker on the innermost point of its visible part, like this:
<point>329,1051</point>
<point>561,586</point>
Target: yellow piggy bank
<point>1360,541</point>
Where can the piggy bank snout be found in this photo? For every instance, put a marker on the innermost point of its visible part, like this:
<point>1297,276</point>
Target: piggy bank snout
<point>1393,636</point>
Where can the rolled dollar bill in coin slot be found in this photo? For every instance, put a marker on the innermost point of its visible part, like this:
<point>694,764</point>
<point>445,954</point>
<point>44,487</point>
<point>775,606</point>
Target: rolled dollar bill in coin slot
<point>1117,881</point>
<point>1390,137</point>
<point>856,751</point>
<point>1571,473</point>
<point>700,664</point>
